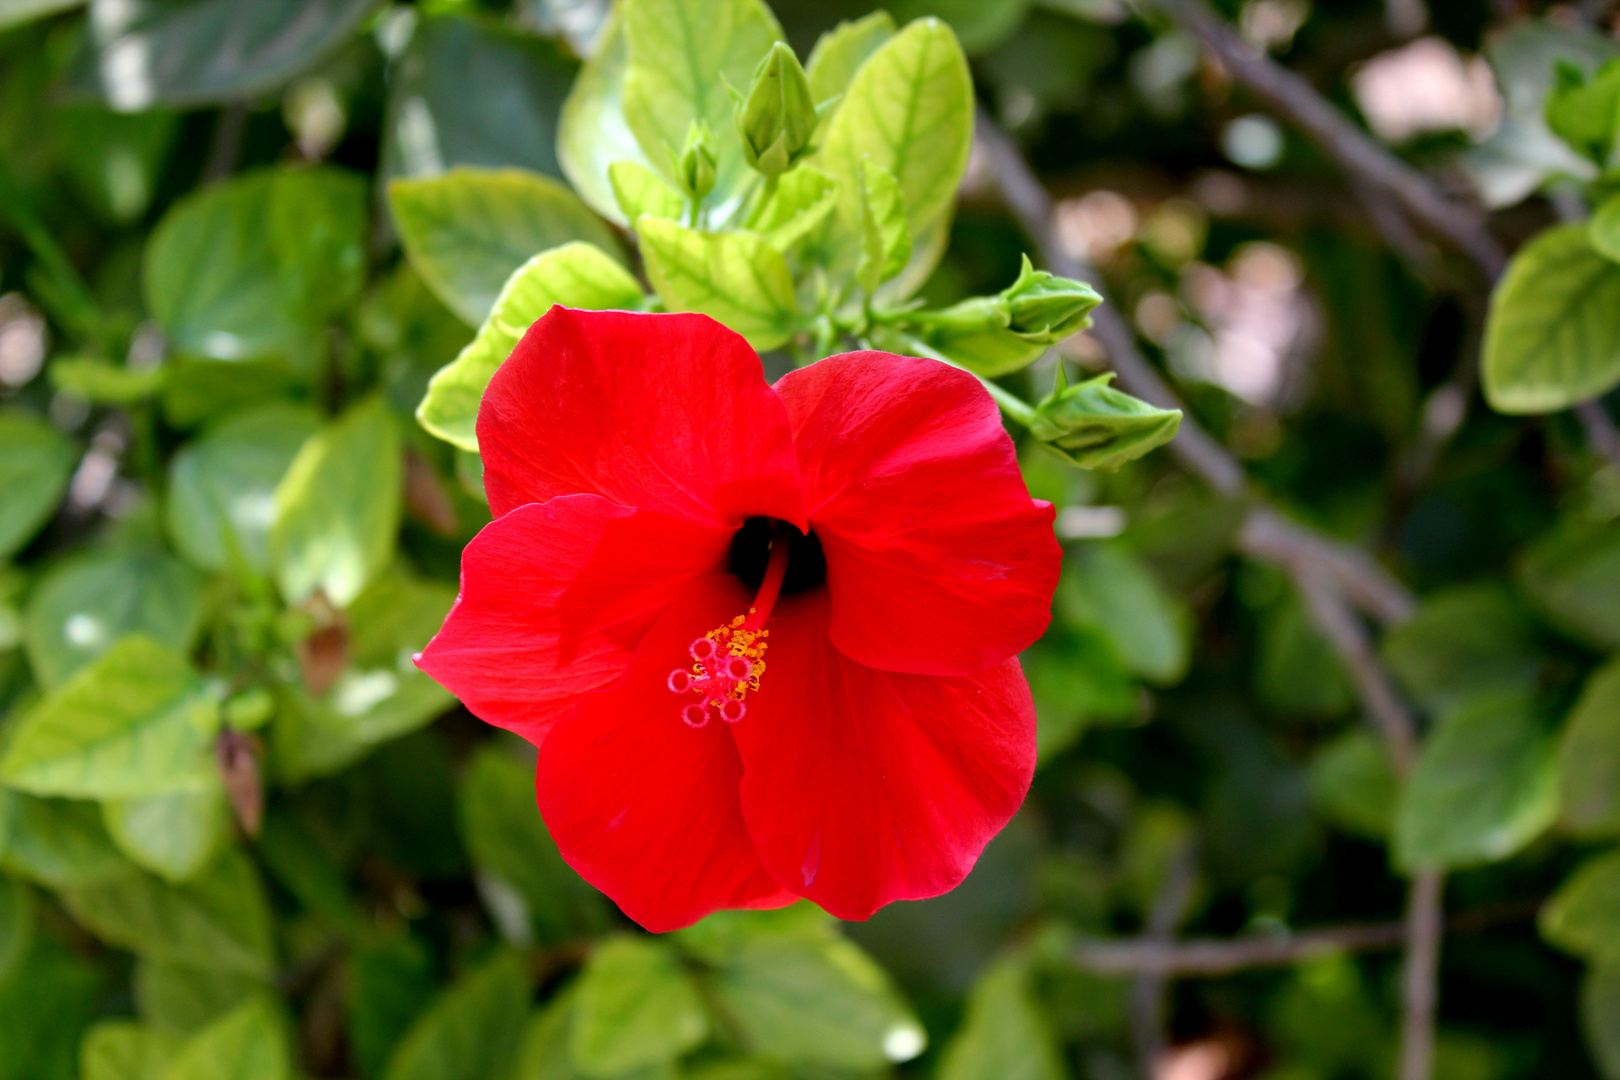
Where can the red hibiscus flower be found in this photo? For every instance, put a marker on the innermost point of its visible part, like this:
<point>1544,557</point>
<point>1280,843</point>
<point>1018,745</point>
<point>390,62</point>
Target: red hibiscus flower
<point>764,637</point>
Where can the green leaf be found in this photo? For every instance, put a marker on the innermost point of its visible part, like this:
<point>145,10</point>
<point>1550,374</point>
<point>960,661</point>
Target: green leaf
<point>391,983</point>
<point>18,12</point>
<point>682,53</point>
<point>1552,337</point>
<point>338,507</point>
<point>152,52</point>
<point>382,695</point>
<point>102,383</point>
<point>247,1043</point>
<point>471,1032</point>
<point>198,390</point>
<point>1586,113</point>
<point>804,200</point>
<point>1298,671</point>
<point>218,920</point>
<point>1106,587</point>
<point>1589,755</point>
<point>639,190</point>
<point>545,1054</point>
<point>125,1050</point>
<point>508,842</point>
<point>467,232</point>
<point>1583,916</point>
<point>980,24</point>
<point>136,722</point>
<point>115,159</point>
<point>56,842</point>
<point>634,1006</point>
<point>1600,1018</point>
<point>85,605</point>
<point>1077,680</point>
<point>840,52</point>
<point>249,268</point>
<point>42,1012</point>
<point>1353,786</point>
<point>815,1002</point>
<point>1573,576</point>
<point>1461,641</point>
<point>1604,229</point>
<point>175,834</point>
<point>736,277</point>
<point>1485,785</point>
<point>36,461</point>
<point>592,133</point>
<point>222,486</point>
<point>885,245</point>
<point>909,111</point>
<point>1005,1034</point>
<point>575,275</point>
<point>469,91</point>
<point>16,926</point>
<point>183,998</point>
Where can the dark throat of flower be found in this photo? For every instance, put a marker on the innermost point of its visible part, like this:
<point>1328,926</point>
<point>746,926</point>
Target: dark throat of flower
<point>729,660</point>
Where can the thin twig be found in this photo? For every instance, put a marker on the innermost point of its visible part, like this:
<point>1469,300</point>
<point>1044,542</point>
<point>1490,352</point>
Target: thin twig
<point>1420,977</point>
<point>1147,994</point>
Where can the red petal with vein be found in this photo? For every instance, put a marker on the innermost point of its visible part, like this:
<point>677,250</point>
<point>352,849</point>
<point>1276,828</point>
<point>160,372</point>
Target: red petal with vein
<point>938,561</point>
<point>862,786</point>
<point>555,598</point>
<point>661,412</point>
<point>645,807</point>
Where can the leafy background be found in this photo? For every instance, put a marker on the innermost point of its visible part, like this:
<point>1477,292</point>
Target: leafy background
<point>240,835</point>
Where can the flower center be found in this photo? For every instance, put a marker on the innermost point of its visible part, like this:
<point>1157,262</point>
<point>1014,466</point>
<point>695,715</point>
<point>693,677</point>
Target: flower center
<point>729,660</point>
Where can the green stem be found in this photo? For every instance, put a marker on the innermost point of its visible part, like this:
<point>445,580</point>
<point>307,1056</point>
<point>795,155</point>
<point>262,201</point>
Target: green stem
<point>1016,408</point>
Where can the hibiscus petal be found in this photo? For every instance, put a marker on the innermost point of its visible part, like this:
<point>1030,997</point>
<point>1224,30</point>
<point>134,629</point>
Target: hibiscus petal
<point>645,807</point>
<point>554,599</point>
<point>938,561</point>
<point>662,412</point>
<point>863,786</point>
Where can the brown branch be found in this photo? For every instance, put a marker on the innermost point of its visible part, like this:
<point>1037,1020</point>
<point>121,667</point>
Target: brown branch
<point>1147,994</point>
<point>1420,976</point>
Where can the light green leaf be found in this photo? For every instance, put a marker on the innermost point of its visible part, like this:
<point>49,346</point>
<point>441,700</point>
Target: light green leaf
<point>1604,229</point>
<point>222,486</point>
<point>681,54</point>
<point>177,53</point>
<point>1005,1034</point>
<point>125,1050</point>
<point>909,110</point>
<point>1485,785</point>
<point>471,1032</point>
<point>100,382</point>
<point>1573,576</point>
<point>507,840</point>
<point>634,1006</point>
<point>174,835</point>
<point>36,461</point>
<point>639,190</point>
<point>247,1043</point>
<point>18,12</point>
<point>1353,786</point>
<point>382,695</point>
<point>734,277</point>
<point>182,999</point>
<point>56,842</point>
<point>885,245</point>
<point>338,507</point>
<point>840,52</point>
<point>85,605</point>
<point>574,275</point>
<point>1106,587</point>
<point>1600,1018</point>
<point>1589,755</point>
<point>815,1002</point>
<point>805,198</point>
<point>1461,641</point>
<point>1583,916</point>
<point>1552,337</point>
<point>468,231</point>
<point>218,920</point>
<point>250,268</point>
<point>1586,113</point>
<point>136,722</point>
<point>545,1055</point>
<point>592,133</point>
<point>16,926</point>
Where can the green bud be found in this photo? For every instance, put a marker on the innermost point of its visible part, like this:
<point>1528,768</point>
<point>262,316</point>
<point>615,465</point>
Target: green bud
<point>1044,308</point>
<point>1094,426</point>
<point>695,164</point>
<point>778,115</point>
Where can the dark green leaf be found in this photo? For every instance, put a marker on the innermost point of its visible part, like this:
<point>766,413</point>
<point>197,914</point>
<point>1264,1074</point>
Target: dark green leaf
<point>1573,576</point>
<point>1106,587</point>
<point>16,926</point>
<point>56,842</point>
<point>42,1011</point>
<point>1353,785</point>
<point>1586,113</point>
<point>390,984</point>
<point>1589,755</point>
<point>1076,680</point>
<point>1461,641</point>
<point>35,463</point>
<point>471,1032</point>
<point>1583,916</point>
<point>1600,1018</point>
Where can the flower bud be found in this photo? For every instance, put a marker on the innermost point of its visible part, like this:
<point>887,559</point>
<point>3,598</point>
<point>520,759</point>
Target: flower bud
<point>778,115</point>
<point>695,165</point>
<point>1044,308</point>
<point>1094,426</point>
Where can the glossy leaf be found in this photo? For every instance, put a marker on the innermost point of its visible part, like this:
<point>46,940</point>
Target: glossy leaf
<point>1005,1035</point>
<point>136,722</point>
<point>468,231</point>
<point>1553,334</point>
<point>1589,755</point>
<point>634,1006</point>
<point>575,275</point>
<point>471,1032</point>
<point>35,463</point>
<point>736,278</point>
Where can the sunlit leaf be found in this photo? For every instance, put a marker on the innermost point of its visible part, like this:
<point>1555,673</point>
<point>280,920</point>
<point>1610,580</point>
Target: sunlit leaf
<point>736,278</point>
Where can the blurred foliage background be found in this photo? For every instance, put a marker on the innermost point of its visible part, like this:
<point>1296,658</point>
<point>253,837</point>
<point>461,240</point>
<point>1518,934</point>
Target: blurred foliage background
<point>274,849</point>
